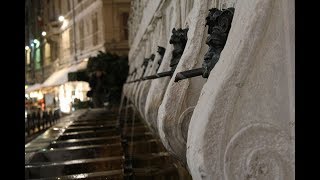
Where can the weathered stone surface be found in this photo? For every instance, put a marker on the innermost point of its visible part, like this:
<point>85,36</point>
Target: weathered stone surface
<point>239,123</point>
<point>145,85</point>
<point>142,17</point>
<point>243,124</point>
<point>180,98</point>
<point>158,86</point>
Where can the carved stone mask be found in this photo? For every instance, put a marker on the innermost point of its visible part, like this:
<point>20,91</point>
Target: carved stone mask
<point>161,50</point>
<point>145,62</point>
<point>179,40</point>
<point>221,27</point>
<point>151,57</point>
<point>179,36</point>
<point>219,24</point>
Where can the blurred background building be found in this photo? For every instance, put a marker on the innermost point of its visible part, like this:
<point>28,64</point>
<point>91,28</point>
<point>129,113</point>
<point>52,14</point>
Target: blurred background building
<point>60,36</point>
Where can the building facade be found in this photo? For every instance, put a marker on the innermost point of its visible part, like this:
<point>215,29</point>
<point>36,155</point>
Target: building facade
<point>214,80</point>
<point>62,32</point>
<point>61,35</point>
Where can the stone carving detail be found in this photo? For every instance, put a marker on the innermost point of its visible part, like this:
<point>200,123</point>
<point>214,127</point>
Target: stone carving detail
<point>161,51</point>
<point>240,126</point>
<point>175,111</point>
<point>258,152</point>
<point>183,124</point>
<point>219,24</point>
<point>135,17</point>
<point>179,40</point>
<point>158,86</point>
<point>145,63</point>
<point>132,74</point>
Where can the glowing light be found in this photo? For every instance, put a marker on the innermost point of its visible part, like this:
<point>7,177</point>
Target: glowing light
<point>43,33</point>
<point>33,95</point>
<point>37,95</point>
<point>64,24</point>
<point>66,95</point>
<point>40,96</point>
<point>27,48</point>
<point>26,86</point>
<point>65,100</point>
<point>35,41</point>
<point>61,18</point>
<point>78,176</point>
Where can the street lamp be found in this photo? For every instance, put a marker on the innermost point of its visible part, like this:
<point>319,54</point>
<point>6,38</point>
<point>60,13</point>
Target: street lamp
<point>43,33</point>
<point>27,48</point>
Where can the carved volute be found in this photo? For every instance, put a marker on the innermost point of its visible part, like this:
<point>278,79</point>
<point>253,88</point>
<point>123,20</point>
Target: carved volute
<point>161,51</point>
<point>219,24</point>
<point>179,40</point>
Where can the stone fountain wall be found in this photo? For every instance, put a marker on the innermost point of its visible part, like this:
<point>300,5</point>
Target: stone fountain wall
<point>239,122</point>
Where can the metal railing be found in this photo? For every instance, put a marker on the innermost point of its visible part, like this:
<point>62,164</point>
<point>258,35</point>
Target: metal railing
<point>38,121</point>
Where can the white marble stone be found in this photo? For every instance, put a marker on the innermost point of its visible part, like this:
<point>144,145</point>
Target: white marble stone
<point>146,17</point>
<point>243,124</point>
<point>180,97</point>
<point>171,12</point>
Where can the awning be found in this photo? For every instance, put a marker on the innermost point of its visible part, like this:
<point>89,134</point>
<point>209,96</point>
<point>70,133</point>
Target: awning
<point>78,76</point>
<point>33,88</point>
<point>61,76</point>
<point>57,78</point>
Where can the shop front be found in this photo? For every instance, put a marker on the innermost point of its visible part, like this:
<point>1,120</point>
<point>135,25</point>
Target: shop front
<point>58,91</point>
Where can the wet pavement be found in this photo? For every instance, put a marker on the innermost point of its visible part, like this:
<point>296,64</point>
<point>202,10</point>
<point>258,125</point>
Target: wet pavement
<point>97,144</point>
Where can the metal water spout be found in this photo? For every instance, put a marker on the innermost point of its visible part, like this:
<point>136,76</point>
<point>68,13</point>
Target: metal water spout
<point>219,24</point>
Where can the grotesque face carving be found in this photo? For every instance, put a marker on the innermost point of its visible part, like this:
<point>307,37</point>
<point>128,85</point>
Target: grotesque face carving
<point>179,40</point>
<point>151,57</point>
<point>219,24</point>
<point>161,51</point>
<point>146,62</point>
<point>212,18</point>
<point>179,36</point>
